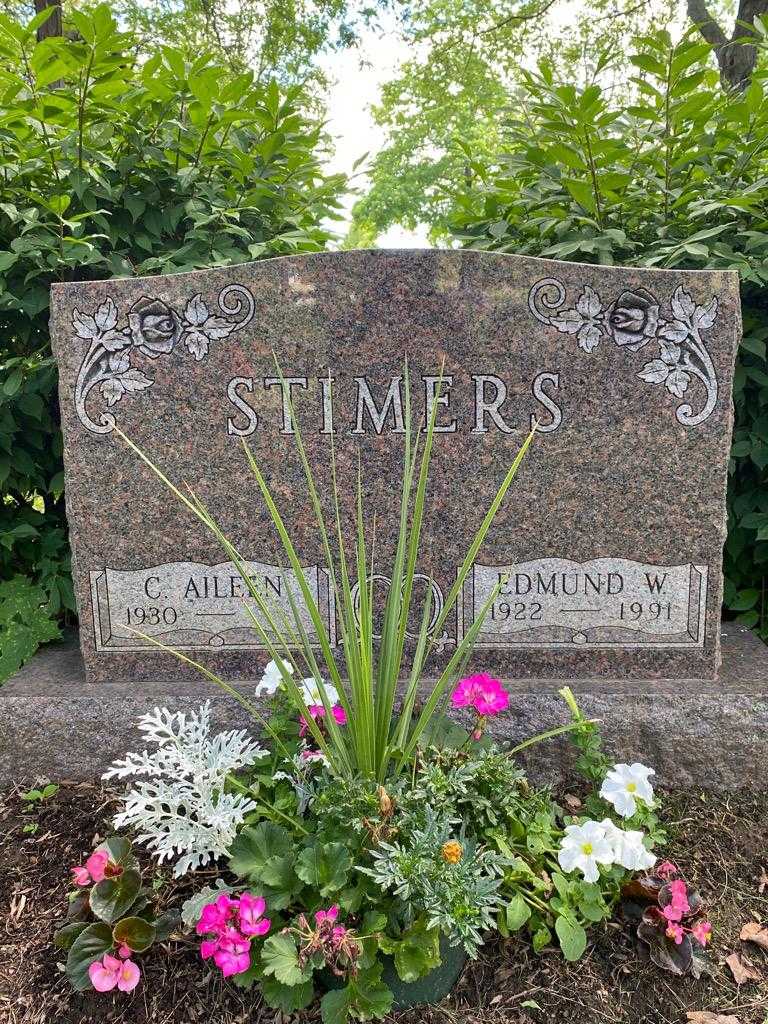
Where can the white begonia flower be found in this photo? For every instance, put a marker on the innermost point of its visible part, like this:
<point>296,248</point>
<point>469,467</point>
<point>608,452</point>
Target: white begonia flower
<point>584,847</point>
<point>310,691</point>
<point>628,848</point>
<point>624,783</point>
<point>272,678</point>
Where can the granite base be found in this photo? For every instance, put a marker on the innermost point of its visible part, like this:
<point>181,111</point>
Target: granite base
<point>712,734</point>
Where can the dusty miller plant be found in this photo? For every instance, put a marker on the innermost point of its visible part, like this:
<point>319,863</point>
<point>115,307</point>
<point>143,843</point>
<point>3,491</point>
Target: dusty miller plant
<point>182,808</point>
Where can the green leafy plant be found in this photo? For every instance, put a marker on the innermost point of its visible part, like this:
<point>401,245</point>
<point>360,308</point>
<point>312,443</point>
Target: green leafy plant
<point>118,162</point>
<point>115,913</point>
<point>26,621</point>
<point>674,176</point>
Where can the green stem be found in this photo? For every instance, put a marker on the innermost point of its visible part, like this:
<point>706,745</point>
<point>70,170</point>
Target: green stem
<point>552,732</point>
<point>265,807</point>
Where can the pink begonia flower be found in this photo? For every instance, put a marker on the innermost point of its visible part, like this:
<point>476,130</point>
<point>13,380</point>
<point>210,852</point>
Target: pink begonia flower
<point>104,973</point>
<point>328,915</point>
<point>481,692</point>
<point>678,906</point>
<point>667,868</point>
<point>80,875</point>
<point>124,951</point>
<point>128,976</point>
<point>250,915</point>
<point>675,931</point>
<point>702,932</point>
<point>96,865</point>
<point>109,972</point>
<point>317,711</point>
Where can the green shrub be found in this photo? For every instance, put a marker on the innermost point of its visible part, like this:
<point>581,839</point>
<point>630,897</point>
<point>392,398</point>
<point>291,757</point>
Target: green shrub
<point>114,167</point>
<point>678,178</point>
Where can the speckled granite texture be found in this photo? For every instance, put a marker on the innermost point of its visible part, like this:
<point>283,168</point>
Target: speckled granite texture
<point>629,372</point>
<point>695,733</point>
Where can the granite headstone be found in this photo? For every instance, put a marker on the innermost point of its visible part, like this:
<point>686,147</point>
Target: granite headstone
<point>610,538</point>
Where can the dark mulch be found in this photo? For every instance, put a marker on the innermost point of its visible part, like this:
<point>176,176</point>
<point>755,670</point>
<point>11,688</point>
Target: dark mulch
<point>722,842</point>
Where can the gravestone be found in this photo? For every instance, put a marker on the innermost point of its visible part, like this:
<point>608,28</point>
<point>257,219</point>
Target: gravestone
<point>609,541</point>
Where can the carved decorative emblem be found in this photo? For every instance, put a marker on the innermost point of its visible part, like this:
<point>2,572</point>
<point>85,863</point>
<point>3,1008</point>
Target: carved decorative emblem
<point>153,328</point>
<point>634,320</point>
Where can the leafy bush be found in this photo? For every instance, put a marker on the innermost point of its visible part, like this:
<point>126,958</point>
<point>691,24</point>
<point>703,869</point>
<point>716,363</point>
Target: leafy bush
<point>115,167</point>
<point>678,178</point>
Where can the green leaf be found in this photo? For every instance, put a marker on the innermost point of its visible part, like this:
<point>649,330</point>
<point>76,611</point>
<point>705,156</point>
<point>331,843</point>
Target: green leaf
<point>287,998</point>
<point>417,952</point>
<point>744,600</point>
<point>280,958</point>
<point>581,192</point>
<point>113,897</point>
<point>254,848</point>
<point>541,938</point>
<point>517,913</point>
<point>368,997</point>
<point>67,934</point>
<point>334,1006</point>
<point>573,938</point>
<point>324,866</point>
<point>135,933</point>
<point>91,944</point>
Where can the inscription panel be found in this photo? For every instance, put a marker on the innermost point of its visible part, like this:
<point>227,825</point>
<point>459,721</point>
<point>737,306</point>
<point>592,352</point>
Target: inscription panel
<point>193,606</point>
<point>605,602</point>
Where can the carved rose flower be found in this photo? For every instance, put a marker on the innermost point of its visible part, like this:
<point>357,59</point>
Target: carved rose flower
<point>633,319</point>
<point>155,327</point>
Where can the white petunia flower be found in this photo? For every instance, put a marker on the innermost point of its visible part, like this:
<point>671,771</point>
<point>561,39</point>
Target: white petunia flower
<point>628,848</point>
<point>310,691</point>
<point>624,784</point>
<point>583,848</point>
<point>272,678</point>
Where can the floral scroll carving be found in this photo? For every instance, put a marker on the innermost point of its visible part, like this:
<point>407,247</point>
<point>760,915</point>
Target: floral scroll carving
<point>632,321</point>
<point>153,329</point>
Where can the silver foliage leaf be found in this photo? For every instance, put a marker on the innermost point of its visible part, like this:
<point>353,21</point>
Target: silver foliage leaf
<point>180,810</point>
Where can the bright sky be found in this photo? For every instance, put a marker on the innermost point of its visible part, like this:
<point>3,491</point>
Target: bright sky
<point>357,75</point>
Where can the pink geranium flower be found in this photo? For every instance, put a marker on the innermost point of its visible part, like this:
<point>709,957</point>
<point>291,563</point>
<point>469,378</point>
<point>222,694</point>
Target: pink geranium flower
<point>216,916</point>
<point>317,711</point>
<point>233,955</point>
<point>329,915</point>
<point>233,923</point>
<point>250,915</point>
<point>481,692</point>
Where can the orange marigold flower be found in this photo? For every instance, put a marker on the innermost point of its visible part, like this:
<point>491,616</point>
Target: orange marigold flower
<point>452,852</point>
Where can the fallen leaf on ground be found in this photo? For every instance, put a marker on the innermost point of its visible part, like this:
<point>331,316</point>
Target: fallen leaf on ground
<point>741,971</point>
<point>762,883</point>
<point>753,932</point>
<point>705,1017</point>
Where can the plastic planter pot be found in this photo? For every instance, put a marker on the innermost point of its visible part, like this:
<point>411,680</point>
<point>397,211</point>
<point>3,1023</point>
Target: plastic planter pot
<point>432,988</point>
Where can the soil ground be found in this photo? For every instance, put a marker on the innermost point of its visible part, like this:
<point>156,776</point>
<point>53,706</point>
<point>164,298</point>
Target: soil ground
<point>721,842</point>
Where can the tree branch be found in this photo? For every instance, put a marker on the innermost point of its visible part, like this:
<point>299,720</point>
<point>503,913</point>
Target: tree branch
<point>518,17</point>
<point>706,24</point>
